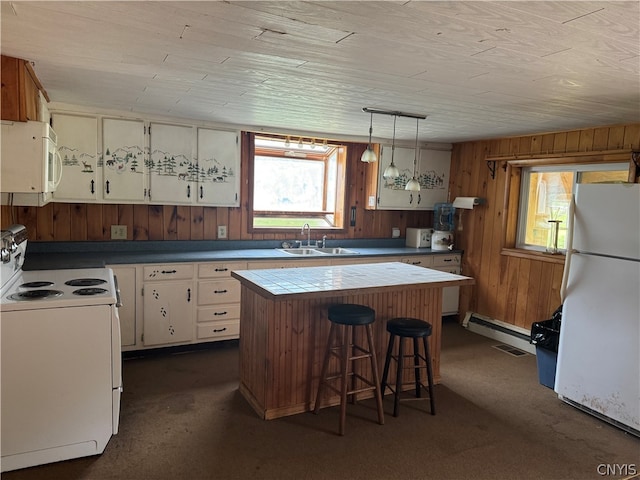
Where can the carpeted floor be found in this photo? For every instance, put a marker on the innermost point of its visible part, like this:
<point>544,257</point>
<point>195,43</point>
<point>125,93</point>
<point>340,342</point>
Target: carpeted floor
<point>182,417</point>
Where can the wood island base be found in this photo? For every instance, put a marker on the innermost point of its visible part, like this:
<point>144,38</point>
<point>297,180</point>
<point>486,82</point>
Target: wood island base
<point>282,343</point>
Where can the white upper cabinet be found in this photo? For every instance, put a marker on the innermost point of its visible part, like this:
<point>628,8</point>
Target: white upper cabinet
<point>81,165</point>
<point>432,171</point>
<point>123,143</point>
<point>173,172</point>
<point>218,168</point>
<point>131,161</point>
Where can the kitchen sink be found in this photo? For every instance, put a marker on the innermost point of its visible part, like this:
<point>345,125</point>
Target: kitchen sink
<point>336,251</point>
<point>317,251</point>
<point>300,251</point>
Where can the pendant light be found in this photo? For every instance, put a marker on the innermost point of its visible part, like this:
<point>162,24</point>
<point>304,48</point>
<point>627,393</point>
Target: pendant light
<point>392,171</point>
<point>369,156</point>
<point>413,184</point>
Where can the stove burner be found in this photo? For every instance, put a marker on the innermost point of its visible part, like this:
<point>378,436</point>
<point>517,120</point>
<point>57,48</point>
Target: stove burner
<point>89,291</point>
<point>84,282</point>
<point>36,284</point>
<point>35,294</point>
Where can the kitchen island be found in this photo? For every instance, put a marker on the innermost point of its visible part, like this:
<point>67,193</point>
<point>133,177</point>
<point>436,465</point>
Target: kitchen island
<point>284,325</point>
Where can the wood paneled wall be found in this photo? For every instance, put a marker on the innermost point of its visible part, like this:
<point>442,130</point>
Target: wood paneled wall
<point>515,290</point>
<point>92,222</point>
<point>512,289</point>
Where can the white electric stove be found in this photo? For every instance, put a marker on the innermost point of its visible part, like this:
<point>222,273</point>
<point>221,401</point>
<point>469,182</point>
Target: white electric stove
<point>61,360</point>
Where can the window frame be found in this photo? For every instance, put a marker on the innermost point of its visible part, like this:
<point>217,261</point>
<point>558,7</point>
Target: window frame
<point>575,169</point>
<point>341,189</point>
<point>514,165</point>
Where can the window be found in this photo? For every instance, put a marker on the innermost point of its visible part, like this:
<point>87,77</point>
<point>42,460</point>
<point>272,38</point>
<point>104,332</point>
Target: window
<point>545,196</point>
<point>296,182</point>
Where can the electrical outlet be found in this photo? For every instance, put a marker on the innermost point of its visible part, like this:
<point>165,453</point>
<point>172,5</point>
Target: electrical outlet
<point>222,231</point>
<point>118,232</point>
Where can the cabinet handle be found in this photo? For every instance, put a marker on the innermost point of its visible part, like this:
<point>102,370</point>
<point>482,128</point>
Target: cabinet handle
<point>218,330</point>
<point>219,291</point>
<point>447,260</point>
<point>220,313</point>
<point>107,187</point>
<point>168,272</point>
<point>416,263</point>
<point>419,198</point>
<point>221,269</point>
<point>93,190</point>
<point>201,191</point>
<point>188,191</point>
<point>410,198</point>
<point>188,294</point>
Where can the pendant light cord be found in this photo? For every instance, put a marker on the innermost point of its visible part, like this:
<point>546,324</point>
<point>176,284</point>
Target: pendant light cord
<point>415,157</point>
<point>393,144</point>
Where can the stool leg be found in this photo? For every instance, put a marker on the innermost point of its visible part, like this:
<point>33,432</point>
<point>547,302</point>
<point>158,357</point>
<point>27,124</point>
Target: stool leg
<point>344,361</point>
<point>352,353</point>
<point>416,366</point>
<point>387,361</point>
<point>376,377</point>
<point>429,376</point>
<point>325,366</point>
<point>396,398</point>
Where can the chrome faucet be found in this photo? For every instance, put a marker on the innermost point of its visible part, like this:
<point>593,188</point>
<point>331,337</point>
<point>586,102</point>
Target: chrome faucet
<point>308,227</point>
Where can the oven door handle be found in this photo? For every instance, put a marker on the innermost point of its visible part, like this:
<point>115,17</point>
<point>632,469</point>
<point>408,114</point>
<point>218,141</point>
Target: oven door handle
<point>118,297</point>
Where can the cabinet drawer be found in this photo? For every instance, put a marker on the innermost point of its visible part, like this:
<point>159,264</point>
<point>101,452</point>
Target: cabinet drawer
<point>177,271</point>
<point>420,261</point>
<point>446,260</point>
<point>451,269</point>
<point>220,291</point>
<point>219,270</point>
<point>219,313</point>
<point>229,329</point>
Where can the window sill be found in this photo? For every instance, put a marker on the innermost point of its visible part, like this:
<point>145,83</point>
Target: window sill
<point>531,255</point>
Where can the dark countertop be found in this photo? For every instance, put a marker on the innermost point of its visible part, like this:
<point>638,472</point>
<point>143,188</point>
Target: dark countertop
<point>61,255</point>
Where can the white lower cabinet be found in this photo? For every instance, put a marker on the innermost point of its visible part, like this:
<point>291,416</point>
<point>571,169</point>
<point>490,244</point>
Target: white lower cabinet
<point>188,303</point>
<point>449,263</point>
<point>167,305</point>
<point>218,311</point>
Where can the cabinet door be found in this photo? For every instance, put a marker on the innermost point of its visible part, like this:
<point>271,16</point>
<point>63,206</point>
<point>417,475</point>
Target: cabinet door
<point>78,148</point>
<point>20,98</point>
<point>126,278</point>
<point>219,168</point>
<point>173,173</point>
<point>391,192</point>
<point>123,156</point>
<point>433,175</point>
<point>167,315</point>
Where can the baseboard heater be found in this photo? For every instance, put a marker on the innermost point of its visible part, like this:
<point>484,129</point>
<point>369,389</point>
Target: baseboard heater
<point>501,331</point>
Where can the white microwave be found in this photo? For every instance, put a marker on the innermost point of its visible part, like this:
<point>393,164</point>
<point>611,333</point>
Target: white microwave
<point>30,160</point>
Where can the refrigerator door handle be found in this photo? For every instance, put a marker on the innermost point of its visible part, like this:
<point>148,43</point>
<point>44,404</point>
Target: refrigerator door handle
<point>567,258</point>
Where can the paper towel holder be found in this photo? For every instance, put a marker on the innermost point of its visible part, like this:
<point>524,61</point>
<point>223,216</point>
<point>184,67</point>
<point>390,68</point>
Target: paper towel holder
<point>467,203</point>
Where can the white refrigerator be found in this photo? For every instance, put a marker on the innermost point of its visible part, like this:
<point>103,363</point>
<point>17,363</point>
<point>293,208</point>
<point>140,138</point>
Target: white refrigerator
<point>598,367</point>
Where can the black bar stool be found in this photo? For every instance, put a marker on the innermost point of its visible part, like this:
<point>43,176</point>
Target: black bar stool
<point>342,344</point>
<point>415,329</point>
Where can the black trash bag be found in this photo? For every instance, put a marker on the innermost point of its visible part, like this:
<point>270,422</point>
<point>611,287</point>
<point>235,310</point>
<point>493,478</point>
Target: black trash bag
<point>546,334</point>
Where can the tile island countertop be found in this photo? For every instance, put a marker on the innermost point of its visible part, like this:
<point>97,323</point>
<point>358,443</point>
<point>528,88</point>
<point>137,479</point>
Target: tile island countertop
<point>317,282</point>
<point>284,325</point>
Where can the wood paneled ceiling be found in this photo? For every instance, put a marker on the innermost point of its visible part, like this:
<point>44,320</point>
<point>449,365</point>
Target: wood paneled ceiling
<point>478,70</point>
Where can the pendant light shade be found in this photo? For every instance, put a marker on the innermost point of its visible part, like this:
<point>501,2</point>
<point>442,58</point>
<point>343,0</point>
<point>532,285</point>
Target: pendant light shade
<point>392,171</point>
<point>369,156</point>
<point>413,184</point>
